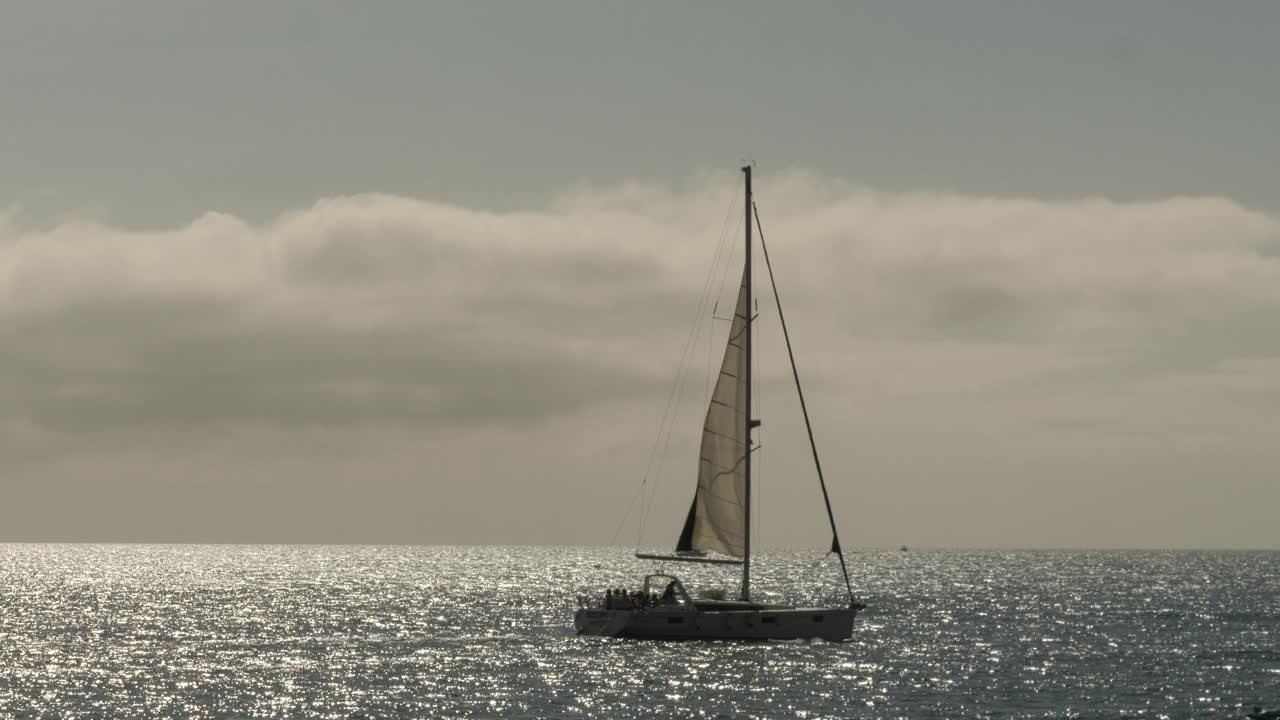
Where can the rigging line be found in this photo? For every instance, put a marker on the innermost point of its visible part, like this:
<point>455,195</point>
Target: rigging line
<point>721,258</point>
<point>804,410</point>
<point>682,378</point>
<point>668,418</point>
<point>691,338</point>
<point>621,523</point>
<point>708,389</point>
<point>724,279</point>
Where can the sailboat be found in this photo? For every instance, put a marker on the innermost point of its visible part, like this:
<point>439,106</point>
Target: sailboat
<point>717,528</point>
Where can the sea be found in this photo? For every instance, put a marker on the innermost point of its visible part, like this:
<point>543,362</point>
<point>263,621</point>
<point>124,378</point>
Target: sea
<point>315,631</point>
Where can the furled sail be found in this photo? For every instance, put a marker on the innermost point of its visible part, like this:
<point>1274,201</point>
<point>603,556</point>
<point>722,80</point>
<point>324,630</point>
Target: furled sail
<point>717,518</point>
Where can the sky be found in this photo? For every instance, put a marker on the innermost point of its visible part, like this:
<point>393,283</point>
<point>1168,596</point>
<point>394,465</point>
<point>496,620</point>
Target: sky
<point>424,272</point>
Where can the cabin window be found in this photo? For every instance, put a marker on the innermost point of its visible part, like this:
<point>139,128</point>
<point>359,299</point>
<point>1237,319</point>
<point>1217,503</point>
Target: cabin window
<point>817,618</point>
<point>675,620</point>
<point>769,619</point>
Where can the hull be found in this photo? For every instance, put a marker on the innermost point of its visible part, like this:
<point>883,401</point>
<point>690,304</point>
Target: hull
<point>682,623</point>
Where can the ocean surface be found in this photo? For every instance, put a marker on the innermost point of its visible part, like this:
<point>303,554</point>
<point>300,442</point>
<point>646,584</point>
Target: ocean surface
<point>152,631</point>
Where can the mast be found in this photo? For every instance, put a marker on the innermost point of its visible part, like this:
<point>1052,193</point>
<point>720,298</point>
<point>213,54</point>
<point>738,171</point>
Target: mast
<point>746,473</point>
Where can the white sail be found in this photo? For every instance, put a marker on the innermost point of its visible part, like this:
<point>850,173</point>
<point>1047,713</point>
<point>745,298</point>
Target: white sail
<point>719,513</point>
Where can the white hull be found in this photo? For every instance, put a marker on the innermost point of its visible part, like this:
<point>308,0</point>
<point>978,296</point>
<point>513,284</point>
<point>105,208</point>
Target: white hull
<point>683,623</point>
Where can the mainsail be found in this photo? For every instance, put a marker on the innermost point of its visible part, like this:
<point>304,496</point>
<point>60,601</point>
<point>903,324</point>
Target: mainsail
<point>717,518</point>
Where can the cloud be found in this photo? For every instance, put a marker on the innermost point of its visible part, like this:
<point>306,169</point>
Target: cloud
<point>554,332</point>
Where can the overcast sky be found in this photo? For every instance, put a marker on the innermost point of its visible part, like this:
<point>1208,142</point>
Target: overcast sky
<point>411,272</point>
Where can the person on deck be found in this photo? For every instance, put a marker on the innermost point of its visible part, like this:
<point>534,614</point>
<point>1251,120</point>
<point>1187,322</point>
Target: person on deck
<point>669,595</point>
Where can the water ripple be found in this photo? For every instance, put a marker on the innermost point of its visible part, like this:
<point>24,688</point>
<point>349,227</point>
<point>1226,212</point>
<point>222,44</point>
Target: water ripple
<point>350,632</point>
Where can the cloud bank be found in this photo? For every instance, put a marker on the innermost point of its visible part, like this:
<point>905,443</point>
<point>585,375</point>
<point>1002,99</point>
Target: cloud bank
<point>985,371</point>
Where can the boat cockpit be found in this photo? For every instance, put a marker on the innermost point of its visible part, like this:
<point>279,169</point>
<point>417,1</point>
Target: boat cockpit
<point>658,590</point>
